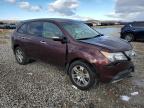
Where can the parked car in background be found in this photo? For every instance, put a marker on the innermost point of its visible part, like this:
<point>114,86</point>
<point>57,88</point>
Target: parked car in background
<point>89,24</point>
<point>11,26</point>
<point>133,31</point>
<point>87,56</point>
<point>2,26</point>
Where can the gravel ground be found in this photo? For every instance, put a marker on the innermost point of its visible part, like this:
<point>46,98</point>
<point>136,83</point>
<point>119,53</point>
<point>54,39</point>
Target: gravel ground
<point>41,85</point>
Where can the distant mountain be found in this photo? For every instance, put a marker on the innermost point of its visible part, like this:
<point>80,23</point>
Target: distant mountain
<point>106,22</point>
<point>9,21</point>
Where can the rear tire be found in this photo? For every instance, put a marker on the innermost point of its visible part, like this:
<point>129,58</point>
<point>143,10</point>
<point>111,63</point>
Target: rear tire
<point>129,37</point>
<point>82,75</point>
<point>20,56</point>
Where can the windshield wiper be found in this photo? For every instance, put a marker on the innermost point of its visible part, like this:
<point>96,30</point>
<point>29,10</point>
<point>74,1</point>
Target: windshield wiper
<point>91,37</point>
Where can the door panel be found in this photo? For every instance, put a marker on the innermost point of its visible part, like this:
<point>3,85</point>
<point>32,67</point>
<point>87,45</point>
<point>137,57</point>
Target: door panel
<point>33,46</point>
<point>46,50</point>
<point>139,29</point>
<point>34,31</point>
<point>53,51</point>
<point>40,45</point>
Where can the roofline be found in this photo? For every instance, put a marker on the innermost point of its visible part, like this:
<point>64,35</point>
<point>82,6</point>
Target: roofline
<point>50,19</point>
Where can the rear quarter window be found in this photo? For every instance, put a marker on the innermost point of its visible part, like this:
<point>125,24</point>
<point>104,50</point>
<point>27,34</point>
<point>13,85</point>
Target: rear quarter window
<point>138,24</point>
<point>23,29</point>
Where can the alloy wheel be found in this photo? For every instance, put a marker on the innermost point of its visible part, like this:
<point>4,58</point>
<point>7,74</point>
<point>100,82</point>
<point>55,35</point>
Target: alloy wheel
<point>80,75</point>
<point>129,37</point>
<point>19,55</point>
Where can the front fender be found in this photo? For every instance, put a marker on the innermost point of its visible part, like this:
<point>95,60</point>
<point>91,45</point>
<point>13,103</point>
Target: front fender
<point>88,55</point>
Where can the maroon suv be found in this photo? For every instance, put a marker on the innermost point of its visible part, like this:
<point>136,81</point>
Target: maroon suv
<point>87,55</point>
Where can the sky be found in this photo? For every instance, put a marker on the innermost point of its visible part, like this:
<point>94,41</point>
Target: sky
<point>126,10</point>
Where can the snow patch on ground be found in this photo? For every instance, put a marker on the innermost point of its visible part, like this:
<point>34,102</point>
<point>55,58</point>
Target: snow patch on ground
<point>134,93</point>
<point>125,98</point>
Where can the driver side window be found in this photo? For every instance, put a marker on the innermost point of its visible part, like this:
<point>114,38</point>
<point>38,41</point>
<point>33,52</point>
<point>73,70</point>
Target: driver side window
<point>51,30</point>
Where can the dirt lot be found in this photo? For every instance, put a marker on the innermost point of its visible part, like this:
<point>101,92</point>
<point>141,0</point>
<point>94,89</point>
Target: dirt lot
<point>40,85</point>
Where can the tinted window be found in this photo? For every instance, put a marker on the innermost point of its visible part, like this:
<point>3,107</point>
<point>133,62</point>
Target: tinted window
<point>138,24</point>
<point>35,28</point>
<point>23,28</point>
<point>50,30</point>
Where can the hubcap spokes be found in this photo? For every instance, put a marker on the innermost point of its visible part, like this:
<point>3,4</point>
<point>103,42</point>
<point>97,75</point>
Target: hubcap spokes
<point>80,75</point>
<point>19,55</point>
<point>128,38</point>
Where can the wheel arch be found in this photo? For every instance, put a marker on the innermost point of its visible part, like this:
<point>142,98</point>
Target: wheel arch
<point>16,45</point>
<point>127,32</point>
<point>83,60</point>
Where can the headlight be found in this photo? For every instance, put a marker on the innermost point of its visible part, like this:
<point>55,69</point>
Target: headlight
<point>114,56</point>
<point>130,53</point>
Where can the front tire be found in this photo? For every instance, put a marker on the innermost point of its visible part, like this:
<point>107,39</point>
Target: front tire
<point>20,56</point>
<point>82,75</point>
<point>129,37</point>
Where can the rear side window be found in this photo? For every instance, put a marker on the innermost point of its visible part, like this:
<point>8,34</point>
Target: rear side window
<point>50,30</point>
<point>23,29</point>
<point>138,24</point>
<point>35,28</point>
<point>141,24</point>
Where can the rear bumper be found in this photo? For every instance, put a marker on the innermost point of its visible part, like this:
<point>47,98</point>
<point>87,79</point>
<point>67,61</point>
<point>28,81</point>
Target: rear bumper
<point>115,71</point>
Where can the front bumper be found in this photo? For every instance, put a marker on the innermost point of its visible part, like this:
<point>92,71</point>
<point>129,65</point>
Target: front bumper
<point>115,71</point>
<point>121,75</point>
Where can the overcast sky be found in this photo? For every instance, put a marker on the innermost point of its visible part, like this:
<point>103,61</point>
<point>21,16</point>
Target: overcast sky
<point>126,10</point>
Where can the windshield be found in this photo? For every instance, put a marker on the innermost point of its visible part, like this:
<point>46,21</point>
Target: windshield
<point>80,30</point>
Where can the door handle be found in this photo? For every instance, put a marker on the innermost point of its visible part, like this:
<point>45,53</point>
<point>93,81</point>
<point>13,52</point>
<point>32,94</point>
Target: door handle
<point>25,38</point>
<point>43,42</point>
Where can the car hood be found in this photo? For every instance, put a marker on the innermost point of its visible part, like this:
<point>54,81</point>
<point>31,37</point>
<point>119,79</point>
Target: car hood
<point>110,43</point>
